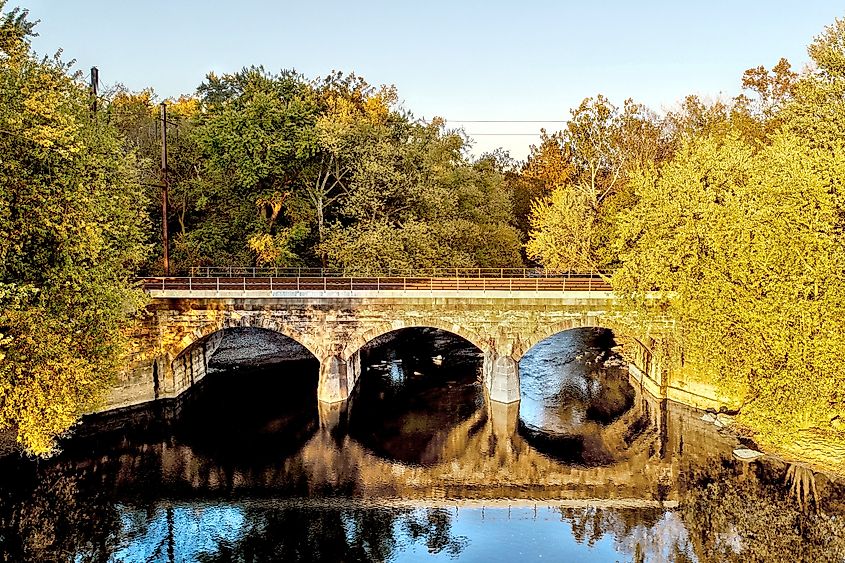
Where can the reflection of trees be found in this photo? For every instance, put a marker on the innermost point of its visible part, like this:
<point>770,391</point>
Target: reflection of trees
<point>329,534</point>
<point>736,515</point>
<point>433,525</point>
<point>51,516</point>
<point>646,534</point>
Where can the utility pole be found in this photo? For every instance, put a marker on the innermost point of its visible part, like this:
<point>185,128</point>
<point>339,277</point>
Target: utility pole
<point>164,185</point>
<point>95,79</point>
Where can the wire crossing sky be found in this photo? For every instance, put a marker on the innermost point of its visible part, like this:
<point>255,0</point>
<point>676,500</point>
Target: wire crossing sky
<point>509,68</point>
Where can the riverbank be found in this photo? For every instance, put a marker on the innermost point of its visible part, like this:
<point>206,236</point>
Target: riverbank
<point>810,447</point>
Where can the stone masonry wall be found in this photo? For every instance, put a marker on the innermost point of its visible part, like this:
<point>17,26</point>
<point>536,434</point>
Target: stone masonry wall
<point>174,342</point>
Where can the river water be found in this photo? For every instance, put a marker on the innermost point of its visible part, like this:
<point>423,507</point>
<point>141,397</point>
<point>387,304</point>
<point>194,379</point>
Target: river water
<point>415,466</point>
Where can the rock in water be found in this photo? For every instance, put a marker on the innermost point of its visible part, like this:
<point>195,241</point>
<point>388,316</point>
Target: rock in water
<point>724,419</point>
<point>745,454</point>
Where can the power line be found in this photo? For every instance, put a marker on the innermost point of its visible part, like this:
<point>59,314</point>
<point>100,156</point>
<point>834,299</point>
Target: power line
<point>504,134</point>
<point>504,121</point>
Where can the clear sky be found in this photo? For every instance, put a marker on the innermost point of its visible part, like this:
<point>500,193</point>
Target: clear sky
<point>461,60</point>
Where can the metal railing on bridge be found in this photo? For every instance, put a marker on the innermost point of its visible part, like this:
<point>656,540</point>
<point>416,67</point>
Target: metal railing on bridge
<point>311,280</point>
<point>258,272</point>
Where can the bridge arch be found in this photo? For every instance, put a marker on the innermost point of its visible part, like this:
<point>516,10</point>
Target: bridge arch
<point>546,331</point>
<point>228,320</point>
<point>188,358</point>
<point>360,339</point>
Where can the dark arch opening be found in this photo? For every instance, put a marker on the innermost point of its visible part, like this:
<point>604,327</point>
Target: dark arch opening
<point>574,387</point>
<point>243,419</point>
<point>417,386</point>
<point>257,401</point>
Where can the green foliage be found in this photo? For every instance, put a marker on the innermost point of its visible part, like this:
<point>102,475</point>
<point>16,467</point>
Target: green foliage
<point>70,236</point>
<point>816,111</point>
<point>380,248</point>
<point>585,168</point>
<point>744,241</point>
<point>272,169</point>
<point>726,233</point>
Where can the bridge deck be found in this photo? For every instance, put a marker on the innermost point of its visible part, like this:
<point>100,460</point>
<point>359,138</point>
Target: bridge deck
<point>282,287</point>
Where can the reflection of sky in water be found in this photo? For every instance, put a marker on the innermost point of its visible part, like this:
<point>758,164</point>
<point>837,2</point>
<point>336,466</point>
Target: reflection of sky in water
<point>511,534</point>
<point>488,534</point>
<point>197,529</point>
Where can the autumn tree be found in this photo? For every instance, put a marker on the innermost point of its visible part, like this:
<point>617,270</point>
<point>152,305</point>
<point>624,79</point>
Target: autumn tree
<point>71,232</point>
<point>571,228</point>
<point>816,108</point>
<point>743,244</point>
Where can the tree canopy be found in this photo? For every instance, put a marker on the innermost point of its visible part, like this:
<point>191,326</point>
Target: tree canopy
<point>71,235</point>
<point>727,232</point>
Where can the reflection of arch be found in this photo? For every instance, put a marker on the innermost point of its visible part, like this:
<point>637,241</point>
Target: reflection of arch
<point>357,341</point>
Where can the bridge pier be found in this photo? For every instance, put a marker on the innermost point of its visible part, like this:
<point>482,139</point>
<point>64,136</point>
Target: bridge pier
<point>337,377</point>
<point>501,377</point>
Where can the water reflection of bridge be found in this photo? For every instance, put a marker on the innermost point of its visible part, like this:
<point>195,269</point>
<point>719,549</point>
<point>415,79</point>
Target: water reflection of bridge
<point>483,457</point>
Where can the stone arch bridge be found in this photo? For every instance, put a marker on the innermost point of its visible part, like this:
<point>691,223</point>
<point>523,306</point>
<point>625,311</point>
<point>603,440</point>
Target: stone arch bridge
<point>335,317</point>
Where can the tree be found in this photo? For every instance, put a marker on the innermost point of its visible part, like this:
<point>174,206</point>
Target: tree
<point>71,232</point>
<point>816,110</point>
<point>254,133</point>
<point>571,228</point>
<point>744,243</point>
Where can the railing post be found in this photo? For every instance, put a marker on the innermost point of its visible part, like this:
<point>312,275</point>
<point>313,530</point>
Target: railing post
<point>244,284</point>
<point>271,286</point>
<point>218,286</point>
<point>190,285</point>
<point>297,284</point>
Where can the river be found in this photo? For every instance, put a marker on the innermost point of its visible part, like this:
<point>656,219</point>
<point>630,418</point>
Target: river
<point>416,465</point>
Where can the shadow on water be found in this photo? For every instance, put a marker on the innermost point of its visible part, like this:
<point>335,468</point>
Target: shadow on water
<point>416,386</point>
<point>263,414</point>
<point>242,417</point>
<point>573,392</point>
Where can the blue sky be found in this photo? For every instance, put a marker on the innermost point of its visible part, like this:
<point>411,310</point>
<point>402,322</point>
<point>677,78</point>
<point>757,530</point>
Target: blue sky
<point>467,60</point>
